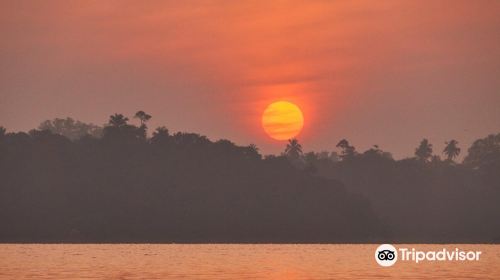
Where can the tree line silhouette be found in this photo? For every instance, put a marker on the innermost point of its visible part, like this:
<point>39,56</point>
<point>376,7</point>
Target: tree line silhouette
<point>69,181</point>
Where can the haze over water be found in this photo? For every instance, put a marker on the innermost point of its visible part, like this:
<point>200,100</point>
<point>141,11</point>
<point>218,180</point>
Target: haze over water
<point>221,261</point>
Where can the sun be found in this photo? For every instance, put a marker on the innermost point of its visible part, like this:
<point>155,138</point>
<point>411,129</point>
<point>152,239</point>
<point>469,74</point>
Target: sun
<point>282,120</point>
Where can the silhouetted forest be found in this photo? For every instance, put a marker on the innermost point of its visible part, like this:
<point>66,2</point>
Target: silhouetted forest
<point>69,181</point>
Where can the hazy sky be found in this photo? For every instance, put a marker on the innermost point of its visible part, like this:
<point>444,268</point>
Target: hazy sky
<point>374,72</point>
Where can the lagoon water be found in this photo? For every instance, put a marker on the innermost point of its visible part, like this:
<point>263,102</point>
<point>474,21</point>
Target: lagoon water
<point>227,261</point>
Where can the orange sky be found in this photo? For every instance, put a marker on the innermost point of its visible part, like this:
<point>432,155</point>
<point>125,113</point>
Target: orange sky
<point>374,72</point>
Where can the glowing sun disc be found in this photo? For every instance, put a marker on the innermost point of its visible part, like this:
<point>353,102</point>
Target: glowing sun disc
<point>282,120</point>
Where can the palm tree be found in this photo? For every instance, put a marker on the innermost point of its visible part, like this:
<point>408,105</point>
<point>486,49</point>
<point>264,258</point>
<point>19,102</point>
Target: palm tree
<point>118,120</point>
<point>451,150</point>
<point>143,117</point>
<point>293,149</point>
<point>424,150</point>
<point>252,148</point>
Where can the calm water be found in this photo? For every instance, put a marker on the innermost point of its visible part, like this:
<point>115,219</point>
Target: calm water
<point>231,262</point>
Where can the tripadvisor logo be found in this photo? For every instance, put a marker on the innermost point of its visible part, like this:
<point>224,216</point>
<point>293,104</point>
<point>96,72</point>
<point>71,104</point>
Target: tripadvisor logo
<point>387,255</point>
